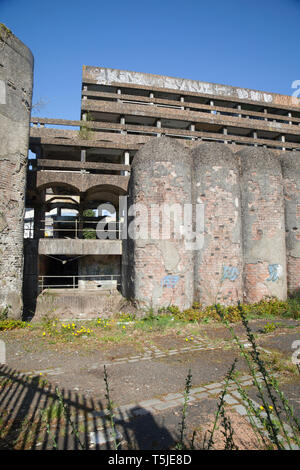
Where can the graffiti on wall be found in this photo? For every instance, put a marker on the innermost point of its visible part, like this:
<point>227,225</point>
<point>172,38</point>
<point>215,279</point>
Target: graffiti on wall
<point>275,271</point>
<point>230,272</point>
<point>170,281</point>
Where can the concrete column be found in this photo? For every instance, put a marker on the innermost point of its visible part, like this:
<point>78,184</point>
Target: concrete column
<point>266,112</point>
<point>283,140</point>
<point>239,107</point>
<point>118,93</point>
<point>158,125</point>
<point>83,155</point>
<point>255,137</point>
<point>151,96</point>
<point>39,221</point>
<point>182,101</point>
<point>84,117</point>
<point>123,122</point>
<point>225,132</point>
<point>80,224</point>
<point>290,115</point>
<point>126,162</point>
<point>212,104</point>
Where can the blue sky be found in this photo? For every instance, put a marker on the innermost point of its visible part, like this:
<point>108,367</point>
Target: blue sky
<point>252,44</point>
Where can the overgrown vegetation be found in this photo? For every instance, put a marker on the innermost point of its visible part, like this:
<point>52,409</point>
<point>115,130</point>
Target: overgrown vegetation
<point>268,307</point>
<point>5,33</point>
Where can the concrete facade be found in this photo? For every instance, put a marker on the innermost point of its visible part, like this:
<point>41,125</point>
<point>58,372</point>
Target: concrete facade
<point>16,79</point>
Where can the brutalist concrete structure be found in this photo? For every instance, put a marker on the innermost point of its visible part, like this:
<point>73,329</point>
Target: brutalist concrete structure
<point>16,78</point>
<point>158,140</point>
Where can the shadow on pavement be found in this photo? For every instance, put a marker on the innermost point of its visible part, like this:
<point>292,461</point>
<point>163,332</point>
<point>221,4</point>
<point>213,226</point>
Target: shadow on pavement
<point>32,417</point>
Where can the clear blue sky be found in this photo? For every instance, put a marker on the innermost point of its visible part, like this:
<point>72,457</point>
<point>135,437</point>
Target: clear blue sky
<point>253,44</point>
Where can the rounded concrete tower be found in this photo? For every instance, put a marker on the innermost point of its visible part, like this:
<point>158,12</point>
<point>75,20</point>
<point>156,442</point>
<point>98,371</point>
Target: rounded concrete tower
<point>263,225</point>
<point>290,162</point>
<point>157,261</point>
<point>16,77</point>
<point>218,262</point>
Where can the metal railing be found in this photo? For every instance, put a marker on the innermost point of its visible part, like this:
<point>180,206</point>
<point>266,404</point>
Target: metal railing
<point>43,282</point>
<point>81,229</point>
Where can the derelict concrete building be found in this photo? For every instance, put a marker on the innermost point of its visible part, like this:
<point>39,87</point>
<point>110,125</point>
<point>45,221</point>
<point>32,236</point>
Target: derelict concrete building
<point>161,140</point>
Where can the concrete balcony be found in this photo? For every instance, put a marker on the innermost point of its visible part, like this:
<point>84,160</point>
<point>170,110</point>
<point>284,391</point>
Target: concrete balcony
<point>79,247</point>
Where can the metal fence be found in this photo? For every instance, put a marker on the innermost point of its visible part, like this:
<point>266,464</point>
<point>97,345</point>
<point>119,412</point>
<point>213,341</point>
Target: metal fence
<point>74,283</point>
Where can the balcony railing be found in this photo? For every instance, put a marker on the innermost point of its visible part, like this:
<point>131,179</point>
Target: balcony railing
<point>87,281</point>
<point>87,230</point>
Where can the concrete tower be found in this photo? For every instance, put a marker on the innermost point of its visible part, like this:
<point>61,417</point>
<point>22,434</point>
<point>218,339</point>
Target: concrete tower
<point>291,183</point>
<point>263,225</point>
<point>16,77</point>
<point>218,264</point>
<point>158,266</point>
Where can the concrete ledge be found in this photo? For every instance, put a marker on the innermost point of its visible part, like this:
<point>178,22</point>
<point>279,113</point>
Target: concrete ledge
<point>79,247</point>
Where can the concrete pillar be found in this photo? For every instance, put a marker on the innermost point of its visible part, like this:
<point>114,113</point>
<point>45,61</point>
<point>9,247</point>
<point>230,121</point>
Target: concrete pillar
<point>282,138</point>
<point>39,221</point>
<point>158,125</point>
<point>290,115</point>
<point>157,264</point>
<point>126,162</point>
<point>83,155</point>
<point>212,104</point>
<point>255,137</point>
<point>15,106</point>
<point>263,225</point>
<point>218,262</point>
<point>182,101</point>
<point>225,133</point>
<point>239,107</point>
<point>123,122</point>
<point>290,162</point>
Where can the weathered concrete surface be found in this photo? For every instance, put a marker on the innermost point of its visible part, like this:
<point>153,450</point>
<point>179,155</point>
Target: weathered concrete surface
<point>78,303</point>
<point>16,78</point>
<point>157,267</point>
<point>263,225</point>
<point>290,163</point>
<point>55,246</point>
<point>219,263</point>
<point>108,76</point>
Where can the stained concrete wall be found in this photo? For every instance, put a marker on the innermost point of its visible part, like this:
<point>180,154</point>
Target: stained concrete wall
<point>16,78</point>
<point>290,162</point>
<point>218,264</point>
<point>158,271</point>
<point>263,225</point>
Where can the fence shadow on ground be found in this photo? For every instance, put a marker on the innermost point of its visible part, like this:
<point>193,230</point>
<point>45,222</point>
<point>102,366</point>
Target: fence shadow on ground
<point>32,417</point>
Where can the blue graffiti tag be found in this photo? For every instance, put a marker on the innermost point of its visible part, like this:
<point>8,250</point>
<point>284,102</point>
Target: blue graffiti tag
<point>230,272</point>
<point>274,271</point>
<point>170,281</point>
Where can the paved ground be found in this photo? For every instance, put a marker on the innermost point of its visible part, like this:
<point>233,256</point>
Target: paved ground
<point>146,386</point>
